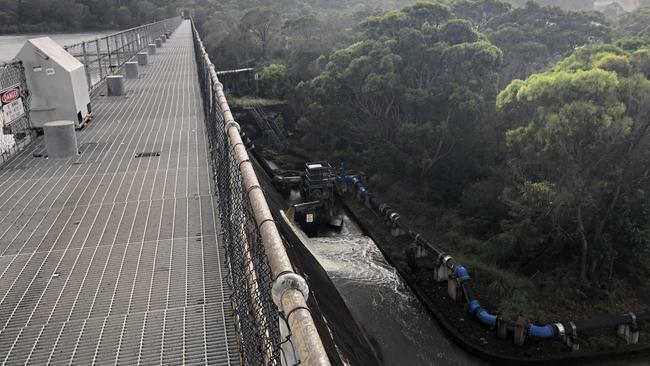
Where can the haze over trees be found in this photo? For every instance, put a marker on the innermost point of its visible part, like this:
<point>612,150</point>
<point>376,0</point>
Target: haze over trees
<point>513,133</point>
<point>517,136</point>
<point>28,16</point>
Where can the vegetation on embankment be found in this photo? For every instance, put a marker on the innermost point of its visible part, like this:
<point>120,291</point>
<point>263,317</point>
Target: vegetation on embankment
<point>516,138</point>
<point>38,16</point>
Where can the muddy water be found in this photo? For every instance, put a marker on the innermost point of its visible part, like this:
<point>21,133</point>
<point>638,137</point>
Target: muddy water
<point>381,302</point>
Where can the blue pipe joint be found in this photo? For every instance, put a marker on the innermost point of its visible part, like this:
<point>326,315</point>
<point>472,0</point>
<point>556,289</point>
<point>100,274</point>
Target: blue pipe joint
<point>473,305</point>
<point>363,191</point>
<point>350,179</point>
<point>545,331</point>
<point>486,318</point>
<point>462,274</point>
<point>482,315</point>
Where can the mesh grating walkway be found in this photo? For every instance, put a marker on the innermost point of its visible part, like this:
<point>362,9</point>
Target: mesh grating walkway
<point>113,259</point>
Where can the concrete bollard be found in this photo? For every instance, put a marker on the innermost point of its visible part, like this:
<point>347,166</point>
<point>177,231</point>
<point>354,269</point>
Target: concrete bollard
<point>143,58</point>
<point>131,70</point>
<point>572,343</point>
<point>115,85</point>
<point>158,42</point>
<point>454,291</point>
<point>521,330</point>
<point>629,333</point>
<point>502,326</point>
<point>60,139</point>
<point>152,48</point>
<point>396,231</point>
<point>441,273</point>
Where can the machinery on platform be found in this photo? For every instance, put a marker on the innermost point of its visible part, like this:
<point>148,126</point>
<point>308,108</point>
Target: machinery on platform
<point>57,81</point>
<point>318,206</point>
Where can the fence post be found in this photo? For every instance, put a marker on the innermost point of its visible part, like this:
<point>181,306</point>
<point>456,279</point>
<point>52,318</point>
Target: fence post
<point>99,58</point>
<point>117,49</point>
<point>86,65</point>
<point>110,59</point>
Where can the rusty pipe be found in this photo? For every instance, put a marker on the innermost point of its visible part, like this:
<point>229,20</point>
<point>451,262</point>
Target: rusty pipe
<point>301,324</point>
<point>292,287</point>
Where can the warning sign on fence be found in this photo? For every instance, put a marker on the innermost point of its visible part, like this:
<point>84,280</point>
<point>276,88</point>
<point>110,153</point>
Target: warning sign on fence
<point>12,105</point>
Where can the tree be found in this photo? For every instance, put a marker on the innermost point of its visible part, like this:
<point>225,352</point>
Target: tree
<point>261,22</point>
<point>123,17</point>
<point>303,27</point>
<point>583,142</point>
<point>274,82</point>
<point>411,96</point>
<point>635,23</point>
<point>480,12</point>
<point>534,36</point>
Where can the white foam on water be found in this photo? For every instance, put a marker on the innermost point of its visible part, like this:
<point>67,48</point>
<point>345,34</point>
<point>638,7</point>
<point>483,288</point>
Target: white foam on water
<point>381,302</point>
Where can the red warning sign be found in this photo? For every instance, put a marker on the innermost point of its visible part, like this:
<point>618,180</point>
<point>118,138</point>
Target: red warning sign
<point>10,95</point>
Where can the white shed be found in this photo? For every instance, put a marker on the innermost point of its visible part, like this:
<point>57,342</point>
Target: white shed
<point>56,82</point>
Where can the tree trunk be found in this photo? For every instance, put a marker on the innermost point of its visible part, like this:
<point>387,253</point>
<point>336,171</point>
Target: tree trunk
<point>585,245</point>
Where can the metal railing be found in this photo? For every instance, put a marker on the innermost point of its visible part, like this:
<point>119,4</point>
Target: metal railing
<point>102,56</point>
<point>267,294</point>
<point>16,133</point>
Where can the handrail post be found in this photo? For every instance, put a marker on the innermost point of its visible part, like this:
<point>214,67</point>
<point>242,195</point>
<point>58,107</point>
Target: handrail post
<point>99,58</point>
<point>108,51</point>
<point>117,49</point>
<point>86,65</point>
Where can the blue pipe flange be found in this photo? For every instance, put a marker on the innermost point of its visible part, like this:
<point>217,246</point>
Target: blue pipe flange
<point>462,274</point>
<point>545,331</point>
<point>633,316</point>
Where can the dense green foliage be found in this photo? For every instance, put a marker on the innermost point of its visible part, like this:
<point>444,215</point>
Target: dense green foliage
<point>76,15</point>
<point>580,162</point>
<point>410,96</point>
<point>515,134</point>
<point>544,175</point>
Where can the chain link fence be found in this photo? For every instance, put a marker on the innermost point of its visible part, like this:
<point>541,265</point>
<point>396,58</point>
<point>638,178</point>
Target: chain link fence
<point>14,95</point>
<point>250,274</point>
<point>269,333</point>
<point>102,56</point>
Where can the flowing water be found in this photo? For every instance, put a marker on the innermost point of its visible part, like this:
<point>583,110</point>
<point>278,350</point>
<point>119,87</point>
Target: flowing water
<point>381,302</point>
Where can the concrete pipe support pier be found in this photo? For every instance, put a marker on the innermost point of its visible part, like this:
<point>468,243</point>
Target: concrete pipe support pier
<point>158,42</point>
<point>60,139</point>
<point>115,85</point>
<point>152,48</point>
